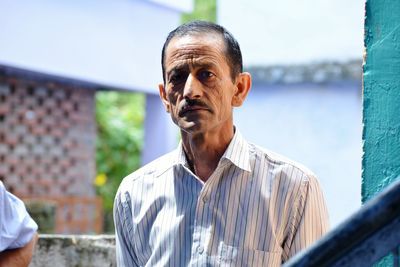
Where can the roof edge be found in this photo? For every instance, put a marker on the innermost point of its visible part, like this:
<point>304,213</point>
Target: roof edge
<point>41,77</point>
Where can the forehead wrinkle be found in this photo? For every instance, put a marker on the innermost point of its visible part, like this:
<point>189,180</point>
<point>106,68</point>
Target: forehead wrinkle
<point>182,60</point>
<point>190,52</point>
<point>180,48</point>
<point>196,49</point>
<point>192,63</point>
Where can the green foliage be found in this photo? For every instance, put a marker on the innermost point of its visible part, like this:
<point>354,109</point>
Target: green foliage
<point>120,118</point>
<point>203,10</point>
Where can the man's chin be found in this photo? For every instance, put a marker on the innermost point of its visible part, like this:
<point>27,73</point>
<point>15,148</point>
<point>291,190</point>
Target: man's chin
<point>191,127</point>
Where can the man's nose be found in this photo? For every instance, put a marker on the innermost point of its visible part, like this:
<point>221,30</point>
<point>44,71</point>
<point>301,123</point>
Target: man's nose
<point>192,88</point>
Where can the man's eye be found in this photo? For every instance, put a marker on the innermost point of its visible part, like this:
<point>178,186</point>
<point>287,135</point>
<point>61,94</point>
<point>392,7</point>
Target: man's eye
<point>177,78</point>
<point>205,75</point>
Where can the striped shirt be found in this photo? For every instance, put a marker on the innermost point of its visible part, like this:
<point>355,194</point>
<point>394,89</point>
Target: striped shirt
<point>256,209</point>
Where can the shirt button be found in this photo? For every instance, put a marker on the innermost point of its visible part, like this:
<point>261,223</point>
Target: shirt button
<point>205,199</point>
<point>200,249</point>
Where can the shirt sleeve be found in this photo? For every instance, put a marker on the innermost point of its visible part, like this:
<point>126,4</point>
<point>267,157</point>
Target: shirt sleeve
<point>312,221</point>
<point>17,228</point>
<point>125,252</point>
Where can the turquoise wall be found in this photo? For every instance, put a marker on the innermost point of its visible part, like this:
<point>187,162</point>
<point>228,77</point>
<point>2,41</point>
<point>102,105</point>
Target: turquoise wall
<point>381,96</point>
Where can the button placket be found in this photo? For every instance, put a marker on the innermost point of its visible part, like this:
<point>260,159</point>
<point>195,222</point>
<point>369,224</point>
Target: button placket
<point>200,249</point>
<point>197,245</point>
<point>204,194</point>
<point>212,186</point>
<point>201,237</point>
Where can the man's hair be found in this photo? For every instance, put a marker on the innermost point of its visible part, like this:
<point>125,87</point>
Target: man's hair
<point>233,54</point>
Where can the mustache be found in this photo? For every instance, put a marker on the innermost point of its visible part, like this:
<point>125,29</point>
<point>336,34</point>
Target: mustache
<point>187,104</point>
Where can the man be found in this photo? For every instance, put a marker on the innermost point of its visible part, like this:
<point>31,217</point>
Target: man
<point>216,200</point>
<point>17,231</point>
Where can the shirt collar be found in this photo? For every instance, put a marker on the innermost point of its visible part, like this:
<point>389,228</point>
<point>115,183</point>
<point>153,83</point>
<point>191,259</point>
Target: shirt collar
<point>237,153</point>
<point>181,156</point>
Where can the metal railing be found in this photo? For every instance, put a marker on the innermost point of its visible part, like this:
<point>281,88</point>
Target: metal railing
<point>367,236</point>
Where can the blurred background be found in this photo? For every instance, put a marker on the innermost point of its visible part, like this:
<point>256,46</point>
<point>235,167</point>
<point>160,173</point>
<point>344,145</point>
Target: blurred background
<point>79,105</point>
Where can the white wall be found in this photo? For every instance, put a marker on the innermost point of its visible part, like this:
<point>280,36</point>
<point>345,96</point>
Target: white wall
<point>290,31</point>
<point>116,43</point>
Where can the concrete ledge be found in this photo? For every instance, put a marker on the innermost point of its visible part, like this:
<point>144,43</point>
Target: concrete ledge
<point>74,251</point>
<point>322,72</point>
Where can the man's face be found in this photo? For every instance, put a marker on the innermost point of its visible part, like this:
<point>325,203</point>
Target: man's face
<point>199,91</point>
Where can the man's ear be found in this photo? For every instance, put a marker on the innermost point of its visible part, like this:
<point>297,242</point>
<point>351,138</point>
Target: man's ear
<point>163,97</point>
<point>243,85</point>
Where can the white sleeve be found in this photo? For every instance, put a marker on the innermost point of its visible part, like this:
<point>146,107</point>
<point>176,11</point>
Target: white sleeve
<point>313,221</point>
<point>126,255</point>
<point>17,228</point>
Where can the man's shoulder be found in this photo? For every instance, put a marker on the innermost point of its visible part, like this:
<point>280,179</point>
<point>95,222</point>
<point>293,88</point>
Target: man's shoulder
<point>154,168</point>
<point>279,161</point>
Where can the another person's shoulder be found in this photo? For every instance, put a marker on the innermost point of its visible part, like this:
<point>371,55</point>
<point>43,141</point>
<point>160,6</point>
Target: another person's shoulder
<point>16,226</point>
<point>2,188</point>
<point>3,194</point>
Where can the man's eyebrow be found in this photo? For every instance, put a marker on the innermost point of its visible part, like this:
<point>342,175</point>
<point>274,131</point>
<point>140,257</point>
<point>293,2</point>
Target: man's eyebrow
<point>177,68</point>
<point>204,65</point>
<point>196,64</point>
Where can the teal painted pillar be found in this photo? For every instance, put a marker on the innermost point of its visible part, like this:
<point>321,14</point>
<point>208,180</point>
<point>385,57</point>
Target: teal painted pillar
<point>381,97</point>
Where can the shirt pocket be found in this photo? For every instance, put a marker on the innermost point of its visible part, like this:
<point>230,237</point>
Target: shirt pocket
<point>234,256</point>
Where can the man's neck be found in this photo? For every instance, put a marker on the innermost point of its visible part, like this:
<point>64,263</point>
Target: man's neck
<point>204,150</point>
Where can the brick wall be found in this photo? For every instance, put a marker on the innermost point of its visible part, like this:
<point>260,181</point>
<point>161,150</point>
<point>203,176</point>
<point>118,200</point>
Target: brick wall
<point>47,139</point>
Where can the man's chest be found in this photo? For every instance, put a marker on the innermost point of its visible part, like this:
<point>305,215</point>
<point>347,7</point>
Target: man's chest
<point>235,220</point>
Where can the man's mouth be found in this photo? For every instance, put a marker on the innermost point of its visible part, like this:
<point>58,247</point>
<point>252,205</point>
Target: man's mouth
<point>191,109</point>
